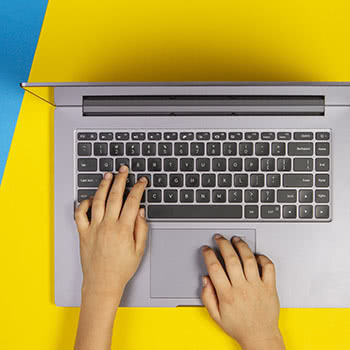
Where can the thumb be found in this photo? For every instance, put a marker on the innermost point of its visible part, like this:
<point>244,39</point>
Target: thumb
<point>140,231</point>
<point>210,299</point>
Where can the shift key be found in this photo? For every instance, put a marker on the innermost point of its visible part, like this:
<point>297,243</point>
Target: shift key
<point>297,180</point>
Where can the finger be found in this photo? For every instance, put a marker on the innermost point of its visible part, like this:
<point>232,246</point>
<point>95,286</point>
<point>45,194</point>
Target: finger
<point>268,273</point>
<point>250,266</point>
<point>209,299</point>
<point>132,203</point>
<point>216,271</point>
<point>115,198</point>
<point>140,232</point>
<point>80,215</point>
<point>99,201</point>
<point>231,259</point>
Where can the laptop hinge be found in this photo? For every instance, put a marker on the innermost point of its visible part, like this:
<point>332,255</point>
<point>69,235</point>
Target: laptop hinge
<point>201,105</point>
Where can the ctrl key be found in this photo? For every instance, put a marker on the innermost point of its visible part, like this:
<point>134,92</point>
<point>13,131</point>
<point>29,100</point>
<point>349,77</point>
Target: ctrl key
<point>322,212</point>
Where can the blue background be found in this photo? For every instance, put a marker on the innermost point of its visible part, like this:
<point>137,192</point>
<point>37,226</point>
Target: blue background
<point>20,24</point>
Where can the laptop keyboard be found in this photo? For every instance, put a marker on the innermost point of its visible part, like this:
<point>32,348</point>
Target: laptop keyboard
<point>237,175</point>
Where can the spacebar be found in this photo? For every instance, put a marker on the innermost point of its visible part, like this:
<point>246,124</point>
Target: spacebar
<point>194,211</point>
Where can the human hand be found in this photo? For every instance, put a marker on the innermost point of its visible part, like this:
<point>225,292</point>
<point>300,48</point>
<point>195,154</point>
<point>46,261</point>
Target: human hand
<point>242,301</point>
<point>113,243</point>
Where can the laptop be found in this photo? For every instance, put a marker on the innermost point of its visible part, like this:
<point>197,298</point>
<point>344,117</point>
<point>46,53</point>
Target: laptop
<point>264,161</point>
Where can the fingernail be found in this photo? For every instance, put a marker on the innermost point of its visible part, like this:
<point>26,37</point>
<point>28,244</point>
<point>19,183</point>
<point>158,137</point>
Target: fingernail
<point>204,281</point>
<point>217,236</point>
<point>123,169</point>
<point>236,239</point>
<point>143,179</point>
<point>108,176</point>
<point>142,212</point>
<point>204,247</point>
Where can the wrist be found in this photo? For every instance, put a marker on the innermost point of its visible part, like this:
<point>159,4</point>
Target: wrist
<point>272,342</point>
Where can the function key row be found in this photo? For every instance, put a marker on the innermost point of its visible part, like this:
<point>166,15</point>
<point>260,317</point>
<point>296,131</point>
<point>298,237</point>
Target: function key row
<point>220,135</point>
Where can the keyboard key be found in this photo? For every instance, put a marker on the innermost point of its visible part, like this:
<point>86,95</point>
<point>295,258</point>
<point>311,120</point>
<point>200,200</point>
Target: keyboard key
<point>322,180</point>
<point>268,136</point>
<point>202,196</point>
<point>186,136</point>
<point>303,164</point>
<point>132,149</point>
<point>89,180</point>
<point>147,176</point>
<point>305,211</point>
<point>322,149</point>
<point>170,136</point>
<point>219,196</point>
<point>270,211</point>
<point>284,164</point>
<point>154,136</point>
<point>297,180</point>
<point>322,211</point>
<point>235,196</point>
<point>139,136</point>
<point>289,211</point>
<point>213,148</point>
<point>235,136</point>
<point>322,196</point>
<point>192,180</point>
<point>87,164</point>
<point>273,180</point>
<point>262,149</point>
<point>241,180</point>
<point>106,164</point>
<point>305,196</point>
<point>267,196</point>
<point>195,211</point>
<point>286,196</point>
<point>267,164</point>
<point>257,180</point>
<point>186,164</point>
<point>84,149</point>
<point>203,164</point>
<point>122,136</point>
<point>181,148</point>
<point>106,136</point>
<point>116,149</point>
<point>165,149</point>
<point>251,211</point>
<point>154,196</point>
<point>130,180</point>
<point>230,148</point>
<point>203,136</point>
<point>235,164</point>
<point>251,196</point>
<point>303,135</point>
<point>322,135</point>
<point>100,148</point>
<point>170,196</point>
<point>322,164</point>
<point>208,180</point>
<point>251,164</point>
<point>278,148</point>
<point>225,180</point>
<point>170,164</point>
<point>121,161</point>
<point>284,136</point>
<point>176,180</point>
<point>85,194</point>
<point>300,148</point>
<point>219,135</point>
<point>87,136</point>
<point>149,149</point>
<point>251,135</point>
<point>246,148</point>
<point>219,164</point>
<point>186,196</point>
<point>138,164</point>
<point>154,164</point>
<point>160,180</point>
<point>197,148</point>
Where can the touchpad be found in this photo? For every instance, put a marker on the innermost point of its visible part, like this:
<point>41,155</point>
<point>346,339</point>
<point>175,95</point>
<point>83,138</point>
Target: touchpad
<point>176,260</point>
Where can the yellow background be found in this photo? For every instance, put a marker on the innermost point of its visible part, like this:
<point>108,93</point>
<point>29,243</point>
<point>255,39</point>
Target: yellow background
<point>151,41</point>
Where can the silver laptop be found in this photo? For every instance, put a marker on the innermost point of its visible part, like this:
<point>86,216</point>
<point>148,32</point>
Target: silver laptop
<point>264,161</point>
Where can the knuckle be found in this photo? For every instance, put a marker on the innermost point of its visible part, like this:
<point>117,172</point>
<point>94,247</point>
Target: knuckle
<point>232,259</point>
<point>214,266</point>
<point>250,260</point>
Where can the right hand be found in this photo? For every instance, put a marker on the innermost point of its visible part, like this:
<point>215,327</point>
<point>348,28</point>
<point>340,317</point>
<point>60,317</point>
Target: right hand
<point>243,302</point>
